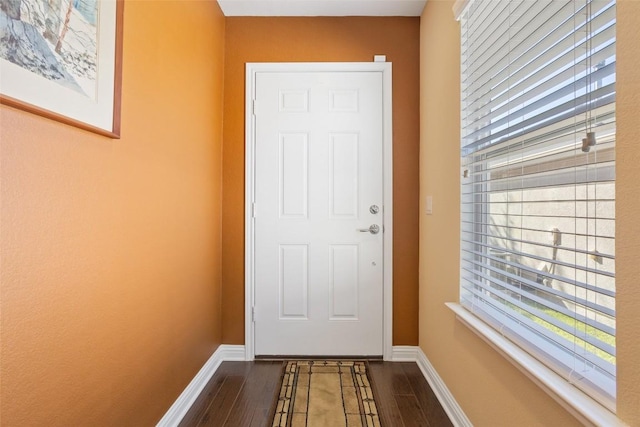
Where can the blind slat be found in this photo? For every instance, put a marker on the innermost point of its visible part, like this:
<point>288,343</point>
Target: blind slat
<point>506,291</point>
<point>600,97</point>
<point>550,293</point>
<point>545,259</point>
<point>532,85</point>
<point>467,225</point>
<point>563,279</point>
<point>560,133</point>
<point>555,50</point>
<point>495,44</point>
<point>524,104</point>
<point>540,245</point>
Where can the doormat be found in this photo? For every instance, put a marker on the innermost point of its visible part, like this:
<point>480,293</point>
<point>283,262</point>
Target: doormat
<point>326,393</point>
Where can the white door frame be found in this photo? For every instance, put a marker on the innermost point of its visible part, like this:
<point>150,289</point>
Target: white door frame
<point>251,70</point>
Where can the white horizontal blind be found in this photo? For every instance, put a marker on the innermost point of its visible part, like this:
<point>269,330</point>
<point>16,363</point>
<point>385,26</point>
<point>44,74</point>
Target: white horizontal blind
<point>537,197</point>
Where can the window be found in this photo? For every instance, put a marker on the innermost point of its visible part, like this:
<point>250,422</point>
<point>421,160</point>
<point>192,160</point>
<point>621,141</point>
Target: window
<point>538,181</point>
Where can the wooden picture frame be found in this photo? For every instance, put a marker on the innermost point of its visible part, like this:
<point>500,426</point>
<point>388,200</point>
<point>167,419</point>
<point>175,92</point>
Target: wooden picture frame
<point>62,59</point>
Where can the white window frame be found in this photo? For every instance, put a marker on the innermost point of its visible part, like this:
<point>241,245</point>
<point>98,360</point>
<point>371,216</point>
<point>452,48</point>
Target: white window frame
<point>586,409</point>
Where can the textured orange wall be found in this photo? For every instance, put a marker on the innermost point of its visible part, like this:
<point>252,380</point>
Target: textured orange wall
<point>110,249</point>
<point>325,40</point>
<point>490,390</point>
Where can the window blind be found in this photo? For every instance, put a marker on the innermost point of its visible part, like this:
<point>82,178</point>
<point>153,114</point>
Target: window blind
<point>538,180</point>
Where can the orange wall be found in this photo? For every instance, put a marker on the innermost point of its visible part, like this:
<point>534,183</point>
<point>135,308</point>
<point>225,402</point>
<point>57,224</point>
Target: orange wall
<point>110,249</point>
<point>490,390</point>
<point>319,40</point>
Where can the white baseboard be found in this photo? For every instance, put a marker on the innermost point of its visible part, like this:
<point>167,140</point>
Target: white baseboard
<point>182,405</point>
<point>232,352</point>
<point>404,353</point>
<point>448,402</point>
<point>410,353</point>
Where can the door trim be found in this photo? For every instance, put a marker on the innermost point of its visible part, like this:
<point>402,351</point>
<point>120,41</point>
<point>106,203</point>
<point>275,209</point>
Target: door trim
<point>387,173</point>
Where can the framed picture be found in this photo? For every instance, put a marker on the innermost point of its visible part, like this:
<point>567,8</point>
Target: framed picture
<point>61,59</point>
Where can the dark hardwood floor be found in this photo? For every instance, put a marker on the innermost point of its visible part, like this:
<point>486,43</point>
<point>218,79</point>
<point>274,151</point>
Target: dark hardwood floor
<point>242,393</point>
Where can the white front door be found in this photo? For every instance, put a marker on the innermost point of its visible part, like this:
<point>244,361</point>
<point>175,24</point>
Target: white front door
<point>318,189</point>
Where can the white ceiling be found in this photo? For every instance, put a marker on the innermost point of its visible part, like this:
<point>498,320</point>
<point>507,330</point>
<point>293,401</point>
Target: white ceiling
<point>322,7</point>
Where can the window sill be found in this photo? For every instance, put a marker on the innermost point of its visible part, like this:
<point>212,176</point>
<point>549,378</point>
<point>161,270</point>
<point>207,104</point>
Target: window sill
<point>581,406</point>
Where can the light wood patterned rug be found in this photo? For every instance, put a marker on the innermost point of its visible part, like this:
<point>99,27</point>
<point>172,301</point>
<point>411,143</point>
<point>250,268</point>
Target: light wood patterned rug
<point>326,393</point>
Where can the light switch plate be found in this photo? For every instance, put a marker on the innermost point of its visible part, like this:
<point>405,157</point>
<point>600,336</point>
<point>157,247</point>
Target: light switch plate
<point>429,205</point>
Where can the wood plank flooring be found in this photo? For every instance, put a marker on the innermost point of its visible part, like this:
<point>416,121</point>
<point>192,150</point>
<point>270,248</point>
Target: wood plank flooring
<point>242,394</point>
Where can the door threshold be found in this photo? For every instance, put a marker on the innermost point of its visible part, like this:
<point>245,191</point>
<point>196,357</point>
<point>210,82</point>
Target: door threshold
<point>280,357</point>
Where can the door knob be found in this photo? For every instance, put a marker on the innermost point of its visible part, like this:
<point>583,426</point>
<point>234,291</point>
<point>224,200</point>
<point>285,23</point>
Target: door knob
<point>373,229</point>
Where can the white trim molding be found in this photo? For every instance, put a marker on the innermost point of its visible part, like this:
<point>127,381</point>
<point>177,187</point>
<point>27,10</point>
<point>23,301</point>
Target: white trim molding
<point>408,353</point>
<point>232,353</point>
<point>181,406</point>
<point>449,404</point>
<point>405,353</point>
<point>251,71</point>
